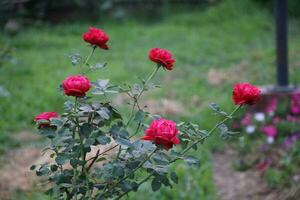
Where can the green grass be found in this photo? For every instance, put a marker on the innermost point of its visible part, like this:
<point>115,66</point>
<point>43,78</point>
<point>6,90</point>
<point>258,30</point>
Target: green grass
<point>227,36</point>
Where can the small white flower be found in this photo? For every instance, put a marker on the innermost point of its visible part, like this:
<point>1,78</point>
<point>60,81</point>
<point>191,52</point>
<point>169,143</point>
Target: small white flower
<point>260,117</point>
<point>270,140</point>
<point>250,129</point>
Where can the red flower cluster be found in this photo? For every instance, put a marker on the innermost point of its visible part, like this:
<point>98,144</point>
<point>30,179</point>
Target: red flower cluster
<point>245,93</point>
<point>76,86</point>
<point>97,37</point>
<point>162,57</point>
<point>45,116</point>
<point>162,132</point>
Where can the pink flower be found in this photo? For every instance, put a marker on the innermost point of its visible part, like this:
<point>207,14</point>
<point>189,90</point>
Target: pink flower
<point>162,57</point>
<point>45,116</point>
<point>276,120</point>
<point>162,132</point>
<point>295,103</point>
<point>245,93</point>
<point>246,120</point>
<point>269,130</point>
<point>292,118</point>
<point>272,105</point>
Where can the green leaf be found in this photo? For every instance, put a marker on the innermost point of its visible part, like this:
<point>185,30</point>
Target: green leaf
<point>174,177</point>
<point>75,58</point>
<point>98,66</point>
<point>124,142</point>
<point>104,113</point>
<point>48,132</point>
<point>61,159</point>
<point>103,139</point>
<point>192,161</point>
<point>140,116</point>
<point>53,168</point>
<point>160,160</point>
<point>32,167</point>
<point>68,106</point>
<point>100,159</point>
<point>136,89</point>
<point>155,184</point>
<point>85,130</point>
<point>56,122</point>
<point>75,162</point>
<point>88,142</point>
<point>133,164</point>
<point>118,171</point>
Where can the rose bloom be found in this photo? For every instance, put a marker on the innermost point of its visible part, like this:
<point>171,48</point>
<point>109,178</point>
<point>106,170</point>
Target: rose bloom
<point>162,57</point>
<point>162,132</point>
<point>97,37</point>
<point>245,93</point>
<point>45,116</point>
<point>76,85</point>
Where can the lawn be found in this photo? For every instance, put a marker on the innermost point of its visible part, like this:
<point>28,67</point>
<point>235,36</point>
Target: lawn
<point>215,47</point>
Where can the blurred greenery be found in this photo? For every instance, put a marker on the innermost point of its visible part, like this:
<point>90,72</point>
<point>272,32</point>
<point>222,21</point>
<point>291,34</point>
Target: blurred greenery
<point>234,38</point>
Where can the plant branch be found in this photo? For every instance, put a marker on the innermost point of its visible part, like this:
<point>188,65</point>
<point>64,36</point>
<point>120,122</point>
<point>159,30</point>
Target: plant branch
<point>209,133</point>
<point>139,184</point>
<point>93,160</point>
<point>137,97</point>
<point>89,56</point>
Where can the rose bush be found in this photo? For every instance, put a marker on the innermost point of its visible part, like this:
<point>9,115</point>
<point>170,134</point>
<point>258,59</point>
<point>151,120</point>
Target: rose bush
<point>90,122</point>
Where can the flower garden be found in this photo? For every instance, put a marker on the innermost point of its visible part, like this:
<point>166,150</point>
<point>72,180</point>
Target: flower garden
<point>173,109</point>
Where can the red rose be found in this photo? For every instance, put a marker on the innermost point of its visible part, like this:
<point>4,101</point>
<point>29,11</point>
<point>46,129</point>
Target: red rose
<point>245,93</point>
<point>97,37</point>
<point>45,116</point>
<point>76,86</point>
<point>162,57</point>
<point>162,132</point>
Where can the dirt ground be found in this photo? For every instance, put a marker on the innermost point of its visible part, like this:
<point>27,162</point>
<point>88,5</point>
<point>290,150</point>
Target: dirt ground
<point>15,174</point>
<point>249,185</point>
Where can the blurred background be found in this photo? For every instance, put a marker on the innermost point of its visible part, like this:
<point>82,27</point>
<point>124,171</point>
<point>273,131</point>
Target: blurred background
<point>215,43</point>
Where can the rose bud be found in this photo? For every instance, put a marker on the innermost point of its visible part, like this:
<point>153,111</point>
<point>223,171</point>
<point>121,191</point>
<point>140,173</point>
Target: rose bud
<point>245,93</point>
<point>162,57</point>
<point>97,37</point>
<point>45,118</point>
<point>76,86</point>
<point>162,132</point>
